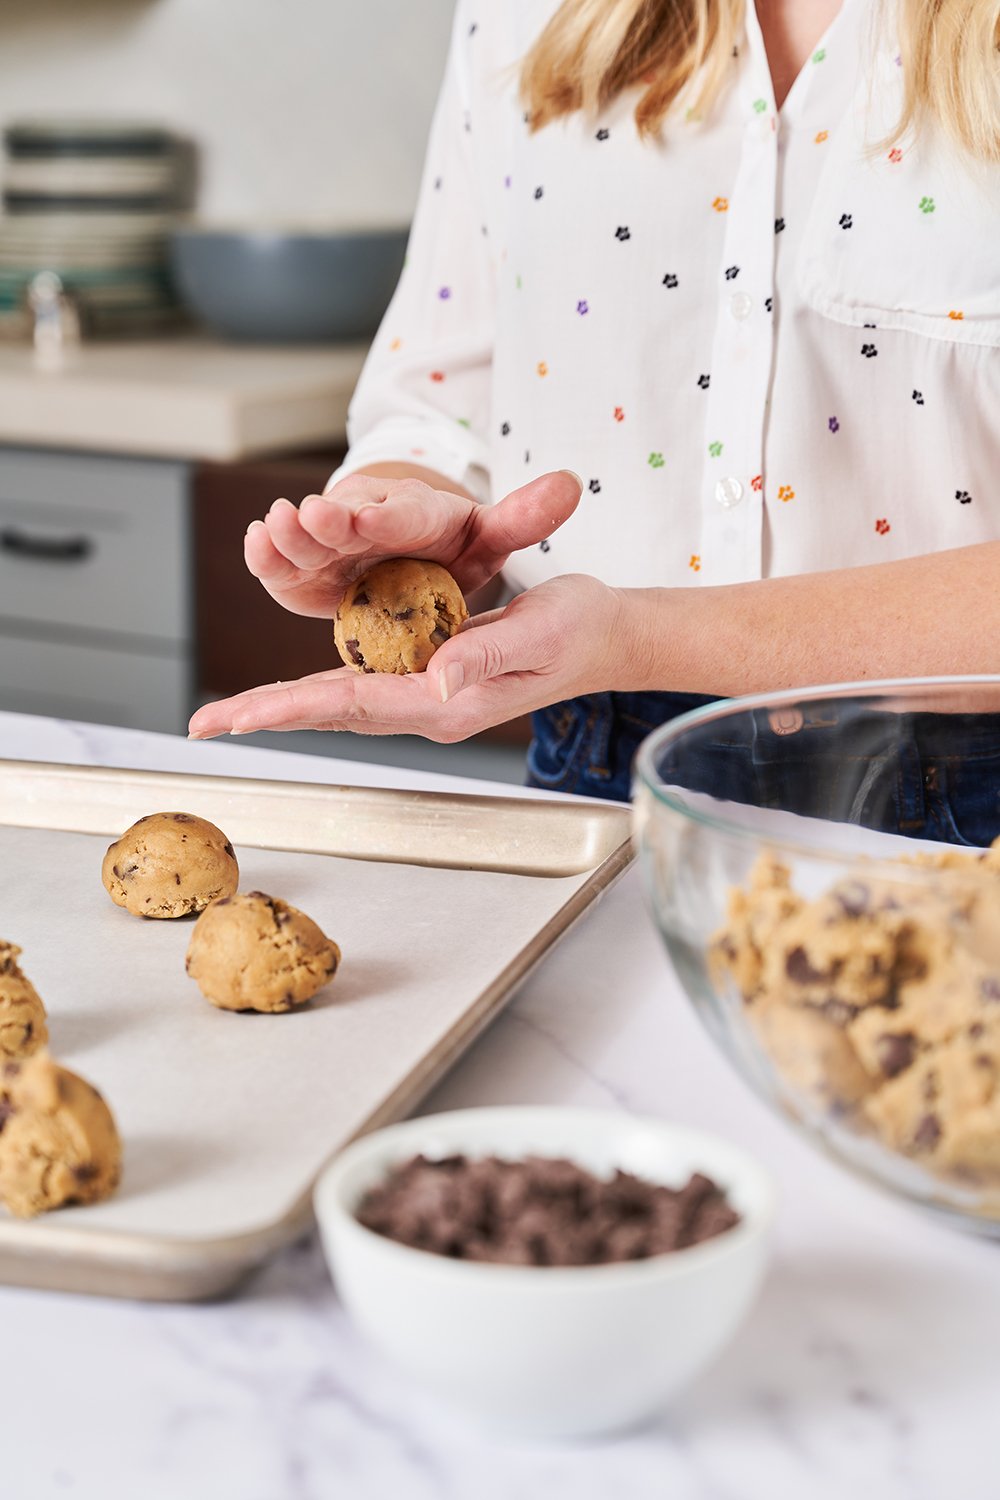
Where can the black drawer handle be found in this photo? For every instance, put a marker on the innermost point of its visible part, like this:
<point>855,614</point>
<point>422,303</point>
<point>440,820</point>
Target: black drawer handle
<point>45,548</point>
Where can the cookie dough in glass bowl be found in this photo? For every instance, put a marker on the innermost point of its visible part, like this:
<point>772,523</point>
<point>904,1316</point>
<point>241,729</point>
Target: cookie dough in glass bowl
<point>850,971</point>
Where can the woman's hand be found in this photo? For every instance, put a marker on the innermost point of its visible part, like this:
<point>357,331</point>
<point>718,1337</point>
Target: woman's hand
<point>305,557</point>
<point>555,641</point>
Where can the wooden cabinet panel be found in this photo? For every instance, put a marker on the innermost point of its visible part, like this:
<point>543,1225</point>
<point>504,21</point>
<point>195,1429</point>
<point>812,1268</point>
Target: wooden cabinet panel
<point>244,637</point>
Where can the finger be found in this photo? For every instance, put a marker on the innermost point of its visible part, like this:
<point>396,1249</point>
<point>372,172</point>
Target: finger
<point>330,517</point>
<point>291,539</point>
<point>330,522</point>
<point>485,617</point>
<point>379,704</point>
<point>415,518</point>
<point>532,513</point>
<point>509,644</point>
<point>264,560</point>
<point>217,718</point>
<point>351,699</point>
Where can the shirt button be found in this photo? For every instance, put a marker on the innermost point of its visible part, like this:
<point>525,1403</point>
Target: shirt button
<point>728,492</point>
<point>740,305</point>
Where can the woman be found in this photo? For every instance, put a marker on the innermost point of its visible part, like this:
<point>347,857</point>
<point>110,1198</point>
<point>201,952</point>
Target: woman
<point>735,266</point>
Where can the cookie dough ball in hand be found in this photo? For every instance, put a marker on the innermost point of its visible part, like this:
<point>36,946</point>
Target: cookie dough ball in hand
<point>396,615</point>
<point>58,1140</point>
<point>22,1014</point>
<point>254,952</point>
<point>169,865</point>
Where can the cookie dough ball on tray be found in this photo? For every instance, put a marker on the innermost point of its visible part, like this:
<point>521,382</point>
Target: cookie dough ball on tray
<point>170,864</point>
<point>22,1014</point>
<point>254,952</point>
<point>58,1139</point>
<point>394,617</point>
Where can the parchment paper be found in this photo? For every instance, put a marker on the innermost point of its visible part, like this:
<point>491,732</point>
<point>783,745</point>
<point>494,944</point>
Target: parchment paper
<point>226,1118</point>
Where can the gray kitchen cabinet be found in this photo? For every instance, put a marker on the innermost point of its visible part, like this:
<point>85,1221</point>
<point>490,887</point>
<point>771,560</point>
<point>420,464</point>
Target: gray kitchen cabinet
<point>96,597</point>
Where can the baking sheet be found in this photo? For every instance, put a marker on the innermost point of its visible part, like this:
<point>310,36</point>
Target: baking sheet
<point>228,1118</point>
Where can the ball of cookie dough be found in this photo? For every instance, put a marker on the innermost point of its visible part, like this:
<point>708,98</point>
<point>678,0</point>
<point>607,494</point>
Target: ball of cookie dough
<point>168,865</point>
<point>254,952</point>
<point>394,617</point>
<point>58,1140</point>
<point>22,1014</point>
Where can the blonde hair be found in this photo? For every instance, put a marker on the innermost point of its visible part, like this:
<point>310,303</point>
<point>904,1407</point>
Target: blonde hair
<point>680,50</point>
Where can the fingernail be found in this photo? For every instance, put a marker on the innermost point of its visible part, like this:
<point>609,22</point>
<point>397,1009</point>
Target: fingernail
<point>253,524</point>
<point>234,732</point>
<point>451,680</point>
<point>282,501</point>
<point>193,736</point>
<point>573,475</point>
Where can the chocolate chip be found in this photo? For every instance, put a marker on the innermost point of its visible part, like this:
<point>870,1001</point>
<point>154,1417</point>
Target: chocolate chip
<point>539,1211</point>
<point>927,1133</point>
<point>85,1172</point>
<point>989,988</point>
<point>798,967</point>
<point>177,879</point>
<point>181,817</point>
<point>228,849</point>
<point>910,969</point>
<point>6,1110</point>
<point>222,901</point>
<point>403,614</point>
<point>438,637</point>
<point>354,653</point>
<point>361,599</point>
<point>976,1030</point>
<point>854,897</point>
<point>29,1030</point>
<point>895,1052</point>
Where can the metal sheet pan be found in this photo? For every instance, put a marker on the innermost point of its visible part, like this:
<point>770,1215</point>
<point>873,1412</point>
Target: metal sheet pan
<point>442,903</point>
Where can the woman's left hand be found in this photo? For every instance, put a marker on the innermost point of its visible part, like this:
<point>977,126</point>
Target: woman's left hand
<point>555,641</point>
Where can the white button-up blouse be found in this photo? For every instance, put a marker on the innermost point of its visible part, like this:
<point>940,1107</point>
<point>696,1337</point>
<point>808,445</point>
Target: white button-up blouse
<point>769,344</point>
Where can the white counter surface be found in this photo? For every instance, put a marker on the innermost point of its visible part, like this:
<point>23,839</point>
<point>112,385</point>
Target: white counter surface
<point>869,1371</point>
<point>189,398</point>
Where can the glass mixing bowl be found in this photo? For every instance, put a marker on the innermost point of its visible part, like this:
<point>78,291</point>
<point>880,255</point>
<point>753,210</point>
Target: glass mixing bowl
<point>815,863</point>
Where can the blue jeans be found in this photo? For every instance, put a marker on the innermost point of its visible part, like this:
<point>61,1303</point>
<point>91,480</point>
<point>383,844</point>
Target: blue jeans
<point>930,776</point>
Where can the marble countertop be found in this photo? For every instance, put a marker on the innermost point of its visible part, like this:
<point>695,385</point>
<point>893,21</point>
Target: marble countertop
<point>870,1367</point>
<point>185,397</point>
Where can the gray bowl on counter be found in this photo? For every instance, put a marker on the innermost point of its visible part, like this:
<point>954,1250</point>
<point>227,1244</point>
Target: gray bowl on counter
<point>277,286</point>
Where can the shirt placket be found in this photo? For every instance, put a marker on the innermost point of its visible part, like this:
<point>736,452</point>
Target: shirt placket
<point>732,476</point>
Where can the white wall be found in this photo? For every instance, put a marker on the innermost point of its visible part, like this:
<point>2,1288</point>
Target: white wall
<point>303,110</point>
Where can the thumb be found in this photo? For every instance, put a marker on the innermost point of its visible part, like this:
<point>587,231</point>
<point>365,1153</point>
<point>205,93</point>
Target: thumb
<point>490,646</point>
<point>531,514</point>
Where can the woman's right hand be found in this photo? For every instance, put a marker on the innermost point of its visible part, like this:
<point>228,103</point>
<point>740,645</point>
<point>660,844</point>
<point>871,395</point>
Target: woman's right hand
<point>307,556</point>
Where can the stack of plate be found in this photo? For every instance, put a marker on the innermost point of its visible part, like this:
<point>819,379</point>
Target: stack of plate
<point>92,201</point>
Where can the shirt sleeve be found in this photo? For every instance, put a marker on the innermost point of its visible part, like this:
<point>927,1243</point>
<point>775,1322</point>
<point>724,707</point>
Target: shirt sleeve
<point>424,392</point>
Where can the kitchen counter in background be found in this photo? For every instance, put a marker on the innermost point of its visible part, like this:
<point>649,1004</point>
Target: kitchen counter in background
<point>868,1369</point>
<point>183,398</point>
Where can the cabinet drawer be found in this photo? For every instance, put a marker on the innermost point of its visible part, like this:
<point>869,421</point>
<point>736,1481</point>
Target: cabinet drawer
<point>70,681</point>
<point>95,543</point>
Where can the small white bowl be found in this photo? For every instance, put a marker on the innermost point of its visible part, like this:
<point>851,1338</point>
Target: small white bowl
<point>538,1351</point>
